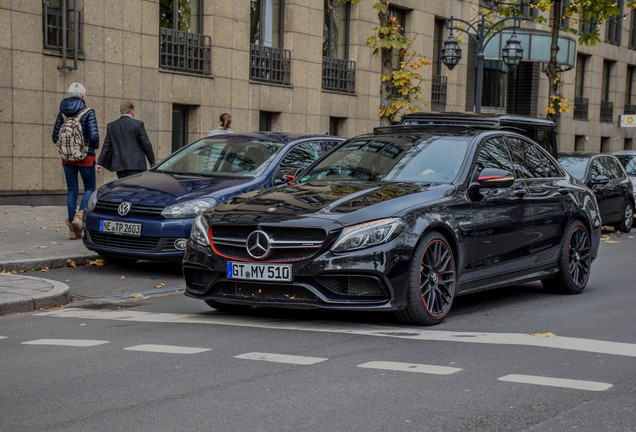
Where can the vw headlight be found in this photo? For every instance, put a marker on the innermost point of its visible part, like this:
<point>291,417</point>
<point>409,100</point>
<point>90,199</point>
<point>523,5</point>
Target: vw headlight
<point>188,209</point>
<point>200,231</point>
<point>367,234</point>
<point>92,202</point>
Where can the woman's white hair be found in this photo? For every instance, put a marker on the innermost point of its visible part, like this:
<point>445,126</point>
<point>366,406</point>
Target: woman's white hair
<point>76,90</point>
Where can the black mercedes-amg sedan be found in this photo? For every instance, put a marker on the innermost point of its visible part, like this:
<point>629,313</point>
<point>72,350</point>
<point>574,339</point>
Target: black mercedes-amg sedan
<point>404,219</point>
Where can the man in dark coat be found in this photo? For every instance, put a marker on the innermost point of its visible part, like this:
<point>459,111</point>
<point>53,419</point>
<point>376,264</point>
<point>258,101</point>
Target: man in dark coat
<point>126,145</point>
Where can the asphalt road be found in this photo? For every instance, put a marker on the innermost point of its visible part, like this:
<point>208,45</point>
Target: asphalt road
<point>133,353</point>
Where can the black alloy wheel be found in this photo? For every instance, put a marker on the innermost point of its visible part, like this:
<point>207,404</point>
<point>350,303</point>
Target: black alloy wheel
<point>432,280</point>
<point>625,225</point>
<point>575,262</point>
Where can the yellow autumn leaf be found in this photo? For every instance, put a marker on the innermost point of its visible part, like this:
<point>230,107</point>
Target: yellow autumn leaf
<point>123,277</point>
<point>39,218</point>
<point>71,263</point>
<point>140,296</point>
<point>45,269</point>
<point>542,334</point>
<point>161,285</point>
<point>41,247</point>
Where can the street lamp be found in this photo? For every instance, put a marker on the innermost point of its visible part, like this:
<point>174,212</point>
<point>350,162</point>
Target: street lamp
<point>481,32</point>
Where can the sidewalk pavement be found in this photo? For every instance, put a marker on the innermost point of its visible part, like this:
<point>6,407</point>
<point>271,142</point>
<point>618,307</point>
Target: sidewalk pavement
<point>33,238</point>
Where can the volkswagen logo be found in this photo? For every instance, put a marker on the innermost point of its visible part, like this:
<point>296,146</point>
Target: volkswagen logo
<point>258,244</point>
<point>123,208</point>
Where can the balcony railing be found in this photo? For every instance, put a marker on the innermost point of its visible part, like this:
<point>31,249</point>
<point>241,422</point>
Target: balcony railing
<point>338,75</point>
<point>581,106</point>
<point>183,51</point>
<point>630,109</point>
<point>607,111</point>
<point>270,64</point>
<point>438,91</point>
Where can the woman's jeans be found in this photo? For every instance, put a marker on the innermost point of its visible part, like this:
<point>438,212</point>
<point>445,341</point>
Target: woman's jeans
<point>88,178</point>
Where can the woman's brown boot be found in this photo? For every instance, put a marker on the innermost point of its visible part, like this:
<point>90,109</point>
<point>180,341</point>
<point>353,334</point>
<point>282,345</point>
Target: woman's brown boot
<point>76,225</point>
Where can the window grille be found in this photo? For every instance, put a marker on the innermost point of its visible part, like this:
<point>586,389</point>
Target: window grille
<point>338,75</point>
<point>607,111</point>
<point>270,64</point>
<point>54,29</point>
<point>581,105</point>
<point>630,109</point>
<point>439,88</point>
<point>184,51</point>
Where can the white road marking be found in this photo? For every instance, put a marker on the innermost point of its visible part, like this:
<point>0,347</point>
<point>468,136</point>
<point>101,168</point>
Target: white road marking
<point>3,337</point>
<point>413,333</point>
<point>410,367</point>
<point>281,358</point>
<point>557,382</point>
<point>82,343</point>
<point>167,349</point>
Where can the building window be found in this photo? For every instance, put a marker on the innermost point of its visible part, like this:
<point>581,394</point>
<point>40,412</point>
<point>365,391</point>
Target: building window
<point>182,46</point>
<point>632,32</point>
<point>581,103</point>
<point>439,84</point>
<point>614,26</point>
<point>269,62</point>
<point>61,19</point>
<point>605,144</point>
<point>335,125</point>
<point>607,107</point>
<point>179,126</point>
<point>630,102</point>
<point>579,143</point>
<point>338,73</point>
<point>564,20</point>
<point>628,144</point>
<point>495,84</point>
<point>267,121</point>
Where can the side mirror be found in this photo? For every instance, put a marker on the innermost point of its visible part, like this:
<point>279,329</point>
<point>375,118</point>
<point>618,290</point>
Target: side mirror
<point>492,178</point>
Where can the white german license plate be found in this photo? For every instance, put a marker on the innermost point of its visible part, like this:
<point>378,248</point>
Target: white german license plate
<point>263,272</point>
<point>122,228</point>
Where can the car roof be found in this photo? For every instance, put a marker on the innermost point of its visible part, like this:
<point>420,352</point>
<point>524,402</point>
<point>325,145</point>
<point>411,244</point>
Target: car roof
<point>437,129</point>
<point>581,155</point>
<point>283,137</point>
<point>625,153</point>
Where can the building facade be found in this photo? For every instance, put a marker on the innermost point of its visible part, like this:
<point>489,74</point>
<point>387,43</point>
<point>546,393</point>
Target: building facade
<point>281,65</point>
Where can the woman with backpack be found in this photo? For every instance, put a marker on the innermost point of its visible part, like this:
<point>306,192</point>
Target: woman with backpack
<point>76,135</point>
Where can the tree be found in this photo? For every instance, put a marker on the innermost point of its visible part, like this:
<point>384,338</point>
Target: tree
<point>565,15</point>
<point>400,86</point>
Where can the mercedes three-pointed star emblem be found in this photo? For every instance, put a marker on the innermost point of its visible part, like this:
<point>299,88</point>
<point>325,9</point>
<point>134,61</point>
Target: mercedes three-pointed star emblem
<point>258,244</point>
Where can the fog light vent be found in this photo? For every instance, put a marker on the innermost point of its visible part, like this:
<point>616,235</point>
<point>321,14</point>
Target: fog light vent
<point>180,244</point>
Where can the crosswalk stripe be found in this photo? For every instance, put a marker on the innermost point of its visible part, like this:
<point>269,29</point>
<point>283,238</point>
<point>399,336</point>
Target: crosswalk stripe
<point>410,367</point>
<point>411,333</point>
<point>556,382</point>
<point>82,343</point>
<point>167,349</point>
<point>281,358</point>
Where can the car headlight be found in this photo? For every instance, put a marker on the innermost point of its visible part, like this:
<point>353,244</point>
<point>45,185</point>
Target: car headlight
<point>367,234</point>
<point>188,209</point>
<point>92,202</point>
<point>200,231</point>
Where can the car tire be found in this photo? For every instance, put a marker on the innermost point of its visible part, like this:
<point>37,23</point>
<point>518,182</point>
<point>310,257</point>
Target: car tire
<point>227,307</point>
<point>110,259</point>
<point>625,224</point>
<point>432,279</point>
<point>575,262</point>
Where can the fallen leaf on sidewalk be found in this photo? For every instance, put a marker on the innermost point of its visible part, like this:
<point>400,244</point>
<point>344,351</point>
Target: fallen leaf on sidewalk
<point>41,247</point>
<point>45,269</point>
<point>161,285</point>
<point>97,262</point>
<point>123,277</point>
<point>39,218</point>
<point>140,296</point>
<point>542,334</point>
<point>71,263</point>
<point>3,231</point>
<point>42,227</point>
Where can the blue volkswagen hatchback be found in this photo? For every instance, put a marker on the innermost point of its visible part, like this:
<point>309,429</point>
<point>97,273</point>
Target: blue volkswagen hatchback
<point>149,215</point>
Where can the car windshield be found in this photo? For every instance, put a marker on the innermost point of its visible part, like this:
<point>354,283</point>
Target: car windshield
<point>429,159</point>
<point>629,163</point>
<point>576,166</point>
<point>225,156</point>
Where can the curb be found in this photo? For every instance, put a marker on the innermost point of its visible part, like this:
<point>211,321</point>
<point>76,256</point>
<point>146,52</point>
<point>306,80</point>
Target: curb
<point>51,293</point>
<point>39,263</point>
